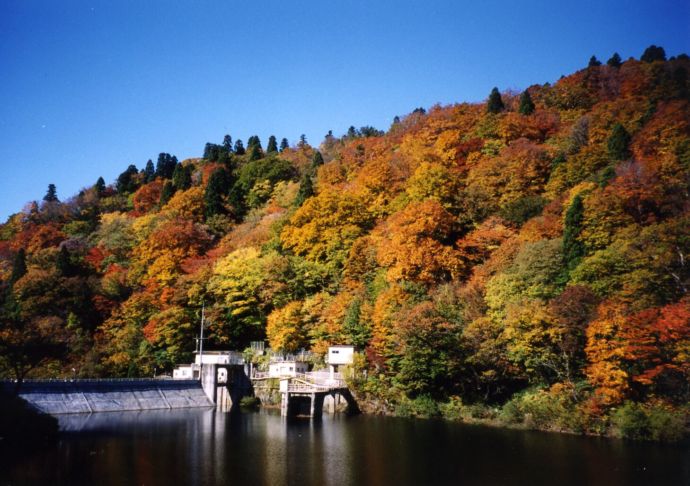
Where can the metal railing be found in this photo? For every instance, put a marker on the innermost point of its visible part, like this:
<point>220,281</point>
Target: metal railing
<point>316,383</point>
<point>315,377</point>
<point>277,357</point>
<point>89,380</point>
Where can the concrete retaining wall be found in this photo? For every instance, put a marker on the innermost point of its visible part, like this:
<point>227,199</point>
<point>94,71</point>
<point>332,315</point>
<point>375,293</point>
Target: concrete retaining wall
<point>87,396</point>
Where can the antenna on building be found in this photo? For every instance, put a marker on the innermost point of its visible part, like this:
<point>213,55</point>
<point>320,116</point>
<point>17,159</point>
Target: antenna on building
<point>201,339</point>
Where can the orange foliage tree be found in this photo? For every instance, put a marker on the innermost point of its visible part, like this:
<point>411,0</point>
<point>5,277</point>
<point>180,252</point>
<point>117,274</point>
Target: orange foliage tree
<point>417,244</point>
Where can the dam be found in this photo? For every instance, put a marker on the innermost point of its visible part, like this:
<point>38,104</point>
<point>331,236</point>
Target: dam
<point>57,397</point>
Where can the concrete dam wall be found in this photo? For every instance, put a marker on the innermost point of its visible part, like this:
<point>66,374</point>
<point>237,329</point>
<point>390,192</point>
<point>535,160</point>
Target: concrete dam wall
<point>88,396</point>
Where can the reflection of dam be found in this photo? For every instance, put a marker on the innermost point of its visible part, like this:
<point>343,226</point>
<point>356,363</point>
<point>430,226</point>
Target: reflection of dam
<point>87,396</point>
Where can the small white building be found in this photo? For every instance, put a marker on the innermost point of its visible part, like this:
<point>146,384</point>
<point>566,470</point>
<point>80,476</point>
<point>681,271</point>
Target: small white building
<point>191,372</point>
<point>339,355</point>
<point>183,373</point>
<point>278,369</point>
<point>219,357</point>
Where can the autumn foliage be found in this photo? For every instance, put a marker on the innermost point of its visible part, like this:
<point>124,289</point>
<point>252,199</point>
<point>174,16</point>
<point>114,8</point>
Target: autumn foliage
<point>538,248</point>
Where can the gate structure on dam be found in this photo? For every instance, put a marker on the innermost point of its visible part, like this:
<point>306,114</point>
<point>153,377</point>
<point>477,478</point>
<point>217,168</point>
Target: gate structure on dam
<point>225,384</point>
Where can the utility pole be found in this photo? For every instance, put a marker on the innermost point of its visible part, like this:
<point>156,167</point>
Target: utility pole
<point>201,340</point>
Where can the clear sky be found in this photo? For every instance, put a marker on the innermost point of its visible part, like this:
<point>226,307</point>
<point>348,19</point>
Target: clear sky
<point>89,87</point>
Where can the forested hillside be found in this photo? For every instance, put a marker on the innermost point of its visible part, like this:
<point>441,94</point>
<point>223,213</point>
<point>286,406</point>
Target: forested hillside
<point>526,257</point>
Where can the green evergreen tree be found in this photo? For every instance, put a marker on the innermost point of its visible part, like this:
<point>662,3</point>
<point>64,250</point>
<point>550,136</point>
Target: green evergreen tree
<point>653,53</point>
<point>306,189</point>
<point>302,140</point>
<point>255,153</point>
<point>165,165</point>
<point>182,177</point>
<point>495,103</point>
<point>99,186</point>
<point>357,332</point>
<point>615,61</point>
<point>216,190</point>
<point>63,262</point>
<point>317,159</point>
<point>239,147</point>
<point>18,266</point>
<point>149,171</point>
<point>227,143</point>
<point>126,182</point>
<point>368,131</point>
<point>594,62</point>
<point>284,144</point>
<point>272,144</point>
<point>166,193</point>
<point>526,104</point>
<point>573,248</point>
<point>254,141</point>
<point>618,143</point>
<point>210,151</point>
<point>51,194</point>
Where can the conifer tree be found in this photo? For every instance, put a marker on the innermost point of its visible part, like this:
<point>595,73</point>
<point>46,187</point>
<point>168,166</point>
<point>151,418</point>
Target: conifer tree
<point>255,152</point>
<point>126,181</point>
<point>239,147</point>
<point>182,177</point>
<point>18,266</point>
<point>216,190</point>
<point>653,53</point>
<point>317,160</point>
<point>166,193</point>
<point>165,165</point>
<point>99,186</point>
<point>51,194</point>
<point>254,141</point>
<point>615,61</point>
<point>526,104</point>
<point>149,171</point>
<point>618,143</point>
<point>302,140</point>
<point>272,145</point>
<point>594,62</point>
<point>284,144</point>
<point>306,189</point>
<point>63,262</point>
<point>227,143</point>
<point>495,103</point>
<point>573,249</point>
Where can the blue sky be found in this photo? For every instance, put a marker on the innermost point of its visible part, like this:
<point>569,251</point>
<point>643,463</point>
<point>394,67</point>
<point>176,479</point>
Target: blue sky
<point>89,87</point>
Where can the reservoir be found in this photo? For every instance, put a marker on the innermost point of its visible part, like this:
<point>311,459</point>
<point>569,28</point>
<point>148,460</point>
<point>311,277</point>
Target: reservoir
<point>205,447</point>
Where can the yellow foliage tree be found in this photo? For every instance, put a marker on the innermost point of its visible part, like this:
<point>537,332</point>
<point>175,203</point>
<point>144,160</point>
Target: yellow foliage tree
<point>325,227</point>
<point>285,329</point>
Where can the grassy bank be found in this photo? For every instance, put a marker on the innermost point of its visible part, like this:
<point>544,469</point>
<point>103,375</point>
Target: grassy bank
<point>546,410</point>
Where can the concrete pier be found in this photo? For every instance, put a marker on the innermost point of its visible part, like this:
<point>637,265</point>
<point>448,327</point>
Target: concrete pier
<point>305,396</point>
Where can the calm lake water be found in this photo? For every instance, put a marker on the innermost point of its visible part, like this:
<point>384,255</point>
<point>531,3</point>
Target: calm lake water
<point>203,447</point>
